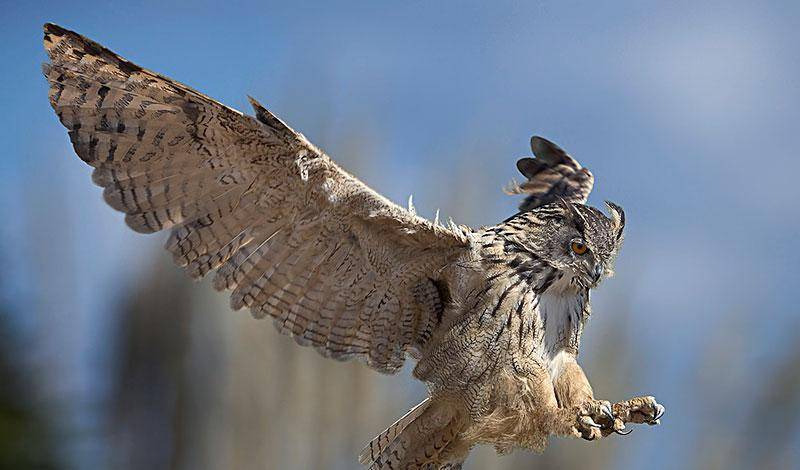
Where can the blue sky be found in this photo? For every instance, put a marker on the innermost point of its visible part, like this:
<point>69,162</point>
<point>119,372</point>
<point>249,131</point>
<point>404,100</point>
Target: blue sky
<point>687,114</point>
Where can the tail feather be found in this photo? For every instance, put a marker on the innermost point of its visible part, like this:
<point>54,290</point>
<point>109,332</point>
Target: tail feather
<point>427,437</point>
<point>383,440</point>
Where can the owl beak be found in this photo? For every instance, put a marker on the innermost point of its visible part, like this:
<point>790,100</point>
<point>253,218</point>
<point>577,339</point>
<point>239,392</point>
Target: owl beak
<point>597,272</point>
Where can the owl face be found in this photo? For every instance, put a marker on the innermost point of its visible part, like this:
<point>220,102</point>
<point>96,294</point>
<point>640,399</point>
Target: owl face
<point>578,240</point>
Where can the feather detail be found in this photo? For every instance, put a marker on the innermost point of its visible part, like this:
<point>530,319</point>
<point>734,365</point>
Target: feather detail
<point>293,236</point>
<point>553,175</point>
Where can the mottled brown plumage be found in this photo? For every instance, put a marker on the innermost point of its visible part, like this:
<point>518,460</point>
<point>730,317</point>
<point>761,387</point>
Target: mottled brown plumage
<point>493,316</point>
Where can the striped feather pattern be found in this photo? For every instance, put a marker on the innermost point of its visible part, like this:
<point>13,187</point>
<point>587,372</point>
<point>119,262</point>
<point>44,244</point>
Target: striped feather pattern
<point>427,437</point>
<point>552,176</point>
<point>294,237</point>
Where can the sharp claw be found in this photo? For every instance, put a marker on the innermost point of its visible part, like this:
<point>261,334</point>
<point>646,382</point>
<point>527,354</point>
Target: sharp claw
<point>659,412</point>
<point>606,411</point>
<point>622,432</point>
<point>588,421</point>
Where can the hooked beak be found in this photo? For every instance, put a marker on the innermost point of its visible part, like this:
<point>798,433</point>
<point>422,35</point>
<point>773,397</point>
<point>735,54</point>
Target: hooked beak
<point>597,272</point>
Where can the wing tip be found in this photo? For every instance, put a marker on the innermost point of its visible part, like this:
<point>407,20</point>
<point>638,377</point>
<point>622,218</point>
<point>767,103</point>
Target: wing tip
<point>548,151</point>
<point>550,174</point>
<point>52,30</point>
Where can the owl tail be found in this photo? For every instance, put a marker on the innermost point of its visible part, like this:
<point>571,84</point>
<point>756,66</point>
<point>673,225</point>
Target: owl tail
<point>427,437</point>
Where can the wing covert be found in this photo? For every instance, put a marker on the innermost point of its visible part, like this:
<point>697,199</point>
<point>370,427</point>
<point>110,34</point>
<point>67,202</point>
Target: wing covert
<point>291,234</point>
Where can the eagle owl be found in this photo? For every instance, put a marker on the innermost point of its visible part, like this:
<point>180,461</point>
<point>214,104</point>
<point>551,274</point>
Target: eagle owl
<point>492,316</point>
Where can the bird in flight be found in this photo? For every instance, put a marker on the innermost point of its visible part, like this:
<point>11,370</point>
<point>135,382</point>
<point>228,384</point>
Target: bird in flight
<point>493,316</point>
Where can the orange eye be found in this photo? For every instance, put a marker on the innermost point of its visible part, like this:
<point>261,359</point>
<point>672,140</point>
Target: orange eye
<point>579,247</point>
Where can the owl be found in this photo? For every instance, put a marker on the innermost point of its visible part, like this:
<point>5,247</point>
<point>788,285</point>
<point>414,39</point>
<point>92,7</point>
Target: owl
<point>492,316</point>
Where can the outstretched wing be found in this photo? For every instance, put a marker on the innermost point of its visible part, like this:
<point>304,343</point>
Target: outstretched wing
<point>292,235</point>
<point>552,175</point>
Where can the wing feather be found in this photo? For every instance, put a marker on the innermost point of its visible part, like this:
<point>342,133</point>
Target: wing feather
<point>551,176</point>
<point>290,233</point>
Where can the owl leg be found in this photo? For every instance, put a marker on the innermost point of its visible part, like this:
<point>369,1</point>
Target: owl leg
<point>598,418</point>
<point>573,391</point>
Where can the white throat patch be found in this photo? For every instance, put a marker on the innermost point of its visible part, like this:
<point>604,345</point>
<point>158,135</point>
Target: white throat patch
<point>560,309</point>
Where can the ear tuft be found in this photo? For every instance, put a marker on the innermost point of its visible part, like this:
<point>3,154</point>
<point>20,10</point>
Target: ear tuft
<point>577,217</point>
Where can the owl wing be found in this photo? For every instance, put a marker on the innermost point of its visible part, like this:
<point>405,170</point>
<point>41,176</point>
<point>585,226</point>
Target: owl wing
<point>551,176</point>
<point>291,234</point>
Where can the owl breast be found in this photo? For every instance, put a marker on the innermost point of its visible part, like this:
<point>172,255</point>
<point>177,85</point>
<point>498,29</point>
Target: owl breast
<point>539,325</point>
<point>499,322</point>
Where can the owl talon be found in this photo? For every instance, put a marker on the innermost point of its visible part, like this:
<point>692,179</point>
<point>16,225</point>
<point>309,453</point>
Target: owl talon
<point>622,432</point>
<point>605,409</point>
<point>595,419</point>
<point>658,412</point>
<point>588,421</point>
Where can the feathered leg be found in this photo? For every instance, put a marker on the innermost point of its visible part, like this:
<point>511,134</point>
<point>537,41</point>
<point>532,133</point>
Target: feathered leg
<point>599,418</point>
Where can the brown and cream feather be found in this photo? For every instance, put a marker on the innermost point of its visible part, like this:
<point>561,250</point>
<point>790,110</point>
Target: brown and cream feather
<point>493,316</point>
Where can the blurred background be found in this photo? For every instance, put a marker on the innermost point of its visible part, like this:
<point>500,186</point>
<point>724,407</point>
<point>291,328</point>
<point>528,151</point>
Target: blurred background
<point>687,113</point>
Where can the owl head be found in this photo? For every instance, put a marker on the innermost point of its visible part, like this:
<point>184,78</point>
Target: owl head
<point>577,240</point>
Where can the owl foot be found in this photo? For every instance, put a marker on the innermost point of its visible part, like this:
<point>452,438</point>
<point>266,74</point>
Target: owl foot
<point>598,418</point>
<point>639,410</point>
<point>595,418</point>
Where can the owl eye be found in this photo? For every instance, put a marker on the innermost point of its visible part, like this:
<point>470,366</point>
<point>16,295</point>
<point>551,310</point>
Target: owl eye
<point>578,247</point>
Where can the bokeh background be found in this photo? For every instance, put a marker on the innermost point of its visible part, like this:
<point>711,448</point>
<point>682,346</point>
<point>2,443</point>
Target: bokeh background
<point>687,112</point>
